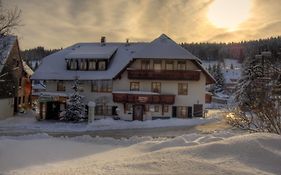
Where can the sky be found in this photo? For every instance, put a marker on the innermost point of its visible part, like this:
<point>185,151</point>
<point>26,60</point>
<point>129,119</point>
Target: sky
<point>61,23</point>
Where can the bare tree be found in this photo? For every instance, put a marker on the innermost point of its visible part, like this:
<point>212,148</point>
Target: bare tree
<point>9,19</point>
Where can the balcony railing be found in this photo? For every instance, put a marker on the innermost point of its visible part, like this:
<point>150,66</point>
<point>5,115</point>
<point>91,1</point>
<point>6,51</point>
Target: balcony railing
<point>193,75</point>
<point>143,98</point>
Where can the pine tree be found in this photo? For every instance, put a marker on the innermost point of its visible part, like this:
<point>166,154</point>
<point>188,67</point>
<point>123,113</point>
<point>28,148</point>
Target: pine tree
<point>75,109</point>
<point>218,75</point>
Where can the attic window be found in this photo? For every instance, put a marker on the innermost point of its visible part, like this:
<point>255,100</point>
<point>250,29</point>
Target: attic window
<point>73,64</point>
<point>83,64</point>
<point>102,65</point>
<point>181,65</point>
<point>92,65</point>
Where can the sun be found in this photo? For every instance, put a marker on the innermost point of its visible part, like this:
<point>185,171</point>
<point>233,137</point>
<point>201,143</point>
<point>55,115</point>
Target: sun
<point>229,14</point>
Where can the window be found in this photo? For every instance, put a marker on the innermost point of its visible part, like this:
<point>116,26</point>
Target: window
<point>157,65</point>
<point>92,65</point>
<point>169,65</point>
<point>60,86</point>
<point>128,108</point>
<point>145,65</point>
<point>182,112</point>
<point>82,64</point>
<point>181,65</point>
<point>134,86</point>
<point>156,87</point>
<point>182,89</point>
<point>19,102</point>
<point>101,65</point>
<point>156,108</point>
<point>166,108</point>
<point>102,86</point>
<point>73,64</point>
<point>103,110</point>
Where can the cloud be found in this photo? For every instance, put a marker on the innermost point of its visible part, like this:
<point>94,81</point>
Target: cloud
<point>55,24</point>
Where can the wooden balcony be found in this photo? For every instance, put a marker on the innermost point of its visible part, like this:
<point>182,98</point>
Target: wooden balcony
<point>143,98</point>
<point>193,75</point>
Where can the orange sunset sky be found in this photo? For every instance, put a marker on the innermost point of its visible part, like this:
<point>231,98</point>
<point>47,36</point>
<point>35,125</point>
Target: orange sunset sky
<point>60,23</point>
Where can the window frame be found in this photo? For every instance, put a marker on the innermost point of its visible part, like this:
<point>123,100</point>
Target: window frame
<point>152,87</point>
<point>166,109</point>
<point>101,63</point>
<point>137,83</point>
<point>155,62</point>
<point>145,64</point>
<point>60,86</point>
<point>169,62</point>
<point>180,62</point>
<point>181,90</point>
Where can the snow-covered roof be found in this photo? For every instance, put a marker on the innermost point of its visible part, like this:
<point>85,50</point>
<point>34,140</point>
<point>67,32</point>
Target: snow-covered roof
<point>53,67</point>
<point>92,51</point>
<point>231,75</point>
<point>6,45</point>
<point>38,86</point>
<point>165,48</point>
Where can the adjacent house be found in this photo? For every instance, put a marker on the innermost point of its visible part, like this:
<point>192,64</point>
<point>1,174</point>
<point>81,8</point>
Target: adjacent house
<point>11,76</point>
<point>130,81</point>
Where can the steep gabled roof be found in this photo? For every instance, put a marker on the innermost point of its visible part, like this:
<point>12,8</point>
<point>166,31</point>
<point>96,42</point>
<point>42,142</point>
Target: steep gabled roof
<point>165,48</point>
<point>6,46</point>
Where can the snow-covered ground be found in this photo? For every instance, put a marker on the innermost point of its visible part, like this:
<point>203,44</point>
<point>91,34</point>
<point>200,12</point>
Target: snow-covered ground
<point>28,122</point>
<point>225,152</point>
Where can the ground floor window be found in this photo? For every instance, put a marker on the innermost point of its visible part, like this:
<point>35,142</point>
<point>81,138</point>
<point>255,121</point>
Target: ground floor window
<point>128,108</point>
<point>166,108</point>
<point>182,112</point>
<point>103,110</point>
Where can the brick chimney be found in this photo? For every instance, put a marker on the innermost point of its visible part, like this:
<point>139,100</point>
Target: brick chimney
<point>103,41</point>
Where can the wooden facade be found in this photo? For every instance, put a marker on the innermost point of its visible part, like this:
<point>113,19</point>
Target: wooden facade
<point>143,98</point>
<point>191,75</point>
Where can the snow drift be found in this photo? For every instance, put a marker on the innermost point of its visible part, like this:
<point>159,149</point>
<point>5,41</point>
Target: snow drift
<point>218,153</point>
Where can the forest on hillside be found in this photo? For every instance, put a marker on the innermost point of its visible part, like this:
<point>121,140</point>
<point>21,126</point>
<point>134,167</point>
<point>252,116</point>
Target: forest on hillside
<point>240,50</point>
<point>37,53</point>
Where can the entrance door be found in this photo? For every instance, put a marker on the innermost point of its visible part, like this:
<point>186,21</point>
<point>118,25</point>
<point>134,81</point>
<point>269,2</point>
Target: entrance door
<point>198,110</point>
<point>138,112</point>
<point>189,112</point>
<point>15,105</point>
<point>53,110</point>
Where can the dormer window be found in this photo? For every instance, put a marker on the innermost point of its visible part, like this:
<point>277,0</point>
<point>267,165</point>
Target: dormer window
<point>102,65</point>
<point>83,64</point>
<point>73,64</point>
<point>92,65</point>
<point>86,64</point>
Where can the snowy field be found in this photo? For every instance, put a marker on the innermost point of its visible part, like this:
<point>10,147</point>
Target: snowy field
<point>27,122</point>
<point>225,152</point>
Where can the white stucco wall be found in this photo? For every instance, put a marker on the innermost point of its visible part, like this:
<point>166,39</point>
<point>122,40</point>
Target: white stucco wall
<point>6,108</point>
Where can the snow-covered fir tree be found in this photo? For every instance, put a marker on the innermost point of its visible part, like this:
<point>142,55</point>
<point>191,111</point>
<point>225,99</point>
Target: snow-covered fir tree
<point>75,108</point>
<point>219,79</point>
<point>216,71</point>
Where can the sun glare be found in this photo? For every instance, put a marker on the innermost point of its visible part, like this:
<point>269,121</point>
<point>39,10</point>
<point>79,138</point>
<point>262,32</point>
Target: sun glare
<point>229,14</point>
